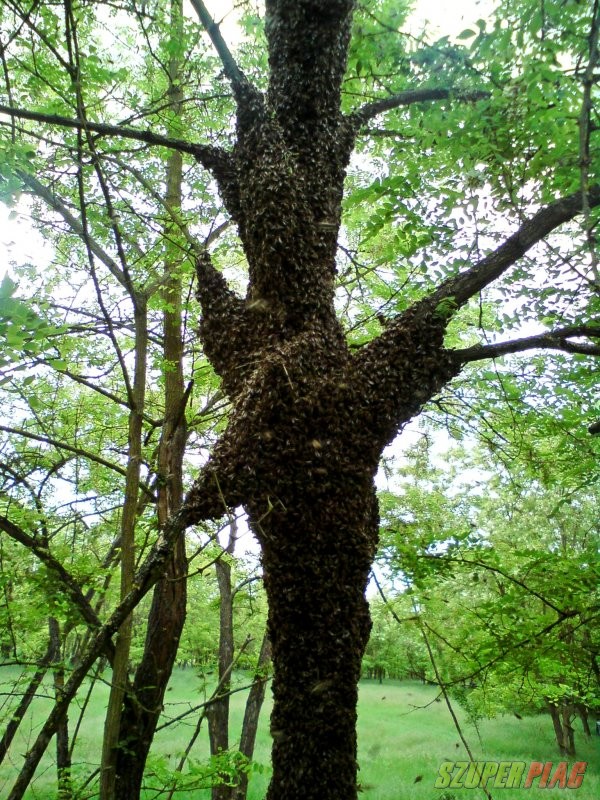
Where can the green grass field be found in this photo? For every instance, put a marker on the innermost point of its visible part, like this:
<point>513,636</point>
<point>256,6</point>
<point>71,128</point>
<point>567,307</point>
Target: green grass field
<point>404,735</point>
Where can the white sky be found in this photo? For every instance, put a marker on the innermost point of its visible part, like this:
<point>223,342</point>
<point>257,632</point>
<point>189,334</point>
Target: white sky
<point>450,18</point>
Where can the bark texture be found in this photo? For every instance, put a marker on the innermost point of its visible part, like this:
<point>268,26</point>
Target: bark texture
<point>254,703</point>
<point>217,713</point>
<point>561,715</point>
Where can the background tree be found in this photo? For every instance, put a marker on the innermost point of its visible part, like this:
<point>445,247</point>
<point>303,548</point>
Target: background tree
<point>462,192</point>
<point>500,561</point>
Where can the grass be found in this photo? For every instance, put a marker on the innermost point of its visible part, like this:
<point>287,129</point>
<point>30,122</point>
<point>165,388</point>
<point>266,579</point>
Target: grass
<point>404,735</point>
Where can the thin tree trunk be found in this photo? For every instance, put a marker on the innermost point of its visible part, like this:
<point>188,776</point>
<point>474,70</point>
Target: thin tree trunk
<point>593,651</point>
<point>35,682</point>
<point>25,702</point>
<point>63,754</point>
<point>582,713</point>
<point>6,648</point>
<point>218,711</point>
<point>120,672</point>
<point>568,730</point>
<point>559,733</point>
<point>254,704</point>
<point>82,708</point>
<point>200,720</point>
<point>167,612</point>
<point>147,576</point>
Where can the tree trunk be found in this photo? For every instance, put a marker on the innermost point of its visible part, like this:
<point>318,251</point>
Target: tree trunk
<point>568,730</point>
<point>143,705</point>
<point>112,741</point>
<point>317,554</point>
<point>254,703</point>
<point>563,730</point>
<point>28,695</point>
<point>217,713</point>
<point>63,753</point>
<point>582,713</point>
<point>557,725</point>
<point>301,450</point>
<point>167,613</point>
<point>300,453</point>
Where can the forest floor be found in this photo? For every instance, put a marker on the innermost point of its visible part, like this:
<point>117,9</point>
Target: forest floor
<point>405,736</point>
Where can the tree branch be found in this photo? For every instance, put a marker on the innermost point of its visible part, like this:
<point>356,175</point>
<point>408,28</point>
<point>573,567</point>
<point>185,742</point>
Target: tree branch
<point>78,451</point>
<point>211,158</point>
<point>249,102</point>
<point>75,224</point>
<point>585,160</point>
<point>410,350</point>
<point>68,582</point>
<point>411,97</point>
<point>553,340</point>
<point>196,508</point>
<point>491,568</point>
<point>214,295</point>
<point>238,80</point>
<point>223,310</point>
<point>94,387</point>
<point>149,573</point>
<point>467,284</point>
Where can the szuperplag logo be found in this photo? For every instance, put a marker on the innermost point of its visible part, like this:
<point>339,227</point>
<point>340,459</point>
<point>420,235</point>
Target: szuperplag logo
<point>510,775</point>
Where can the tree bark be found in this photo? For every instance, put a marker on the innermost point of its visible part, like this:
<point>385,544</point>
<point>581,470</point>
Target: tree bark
<point>582,713</point>
<point>254,703</point>
<point>298,452</point>
<point>568,730</point>
<point>564,733</point>
<point>112,742</point>
<point>558,729</point>
<point>309,420</point>
<point>317,555</point>
<point>217,712</point>
<point>63,753</point>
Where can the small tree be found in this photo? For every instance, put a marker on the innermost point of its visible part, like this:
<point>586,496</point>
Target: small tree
<point>506,592</point>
